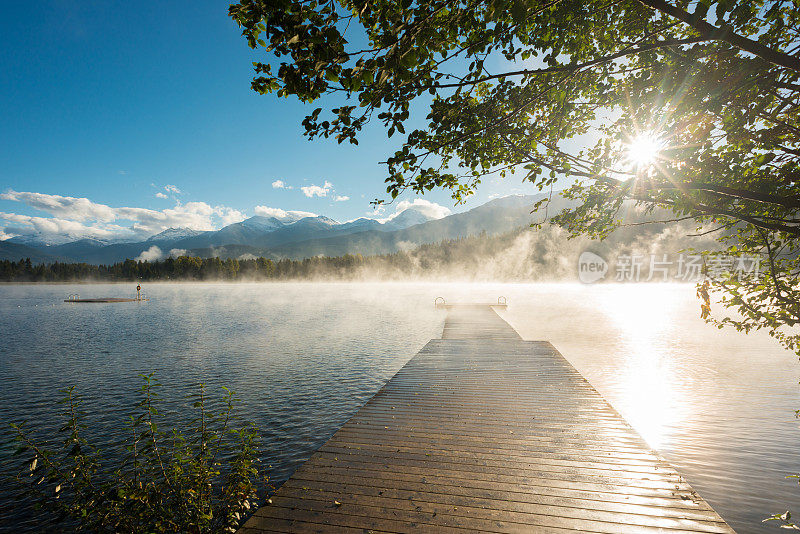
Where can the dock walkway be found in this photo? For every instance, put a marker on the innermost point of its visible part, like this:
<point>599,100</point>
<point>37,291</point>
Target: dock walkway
<point>482,431</point>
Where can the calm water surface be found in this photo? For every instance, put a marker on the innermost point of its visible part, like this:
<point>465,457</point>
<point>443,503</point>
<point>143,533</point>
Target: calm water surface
<point>304,357</point>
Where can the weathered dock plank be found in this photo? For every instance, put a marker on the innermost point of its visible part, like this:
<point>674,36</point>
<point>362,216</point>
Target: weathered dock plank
<point>482,431</point>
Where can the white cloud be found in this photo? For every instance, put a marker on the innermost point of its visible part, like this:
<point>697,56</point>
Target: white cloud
<point>80,217</point>
<point>317,191</point>
<point>426,207</point>
<point>280,184</point>
<point>177,252</point>
<point>152,254</point>
<point>194,215</point>
<point>282,214</point>
<point>57,226</point>
<point>379,210</point>
<point>230,216</point>
<point>70,218</point>
<point>79,209</point>
<point>172,189</point>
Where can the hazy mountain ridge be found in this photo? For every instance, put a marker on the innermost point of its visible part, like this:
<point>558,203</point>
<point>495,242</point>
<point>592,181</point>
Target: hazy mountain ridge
<point>17,251</point>
<point>520,255</point>
<point>495,217</point>
<point>300,237</point>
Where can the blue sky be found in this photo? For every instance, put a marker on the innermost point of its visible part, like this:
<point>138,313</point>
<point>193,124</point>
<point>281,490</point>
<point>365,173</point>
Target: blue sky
<point>105,102</point>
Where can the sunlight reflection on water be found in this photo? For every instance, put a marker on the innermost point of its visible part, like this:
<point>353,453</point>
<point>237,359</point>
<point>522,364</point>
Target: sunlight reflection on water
<point>304,357</point>
<point>650,399</point>
<point>717,404</point>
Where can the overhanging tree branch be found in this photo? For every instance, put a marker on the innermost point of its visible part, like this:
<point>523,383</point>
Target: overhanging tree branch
<point>731,192</point>
<point>776,57</point>
<point>571,67</point>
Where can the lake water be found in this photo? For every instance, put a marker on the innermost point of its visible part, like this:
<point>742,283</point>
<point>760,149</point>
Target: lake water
<point>305,356</point>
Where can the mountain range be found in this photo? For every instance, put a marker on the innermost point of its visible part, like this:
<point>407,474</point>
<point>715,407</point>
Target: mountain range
<point>294,236</point>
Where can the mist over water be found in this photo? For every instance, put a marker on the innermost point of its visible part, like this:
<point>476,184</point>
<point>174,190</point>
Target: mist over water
<point>304,357</point>
<point>717,404</point>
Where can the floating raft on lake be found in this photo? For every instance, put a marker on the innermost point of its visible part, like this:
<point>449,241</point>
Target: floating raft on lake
<point>108,299</point>
<point>482,431</point>
<point>77,298</point>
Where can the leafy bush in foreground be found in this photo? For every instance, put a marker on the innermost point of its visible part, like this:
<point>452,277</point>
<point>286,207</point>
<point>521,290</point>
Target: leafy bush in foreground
<point>199,479</point>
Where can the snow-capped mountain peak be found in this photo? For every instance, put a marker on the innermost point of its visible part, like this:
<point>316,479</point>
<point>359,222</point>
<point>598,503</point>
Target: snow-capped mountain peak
<point>260,222</point>
<point>408,217</point>
<point>173,234</point>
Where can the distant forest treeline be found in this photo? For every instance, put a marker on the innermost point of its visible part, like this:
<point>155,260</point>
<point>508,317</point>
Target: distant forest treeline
<point>425,258</point>
<point>520,255</point>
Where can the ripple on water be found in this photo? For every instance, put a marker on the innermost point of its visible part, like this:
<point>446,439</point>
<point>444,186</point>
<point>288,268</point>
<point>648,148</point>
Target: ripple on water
<point>305,357</point>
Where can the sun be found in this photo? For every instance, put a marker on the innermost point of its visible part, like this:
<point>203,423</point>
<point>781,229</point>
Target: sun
<point>644,149</point>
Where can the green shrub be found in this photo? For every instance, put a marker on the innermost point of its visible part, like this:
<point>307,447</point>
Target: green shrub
<point>203,478</point>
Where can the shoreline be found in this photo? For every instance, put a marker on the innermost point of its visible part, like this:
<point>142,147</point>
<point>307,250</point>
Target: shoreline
<point>350,281</point>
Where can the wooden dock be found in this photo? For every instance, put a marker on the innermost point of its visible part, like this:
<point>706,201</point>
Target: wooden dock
<point>482,431</point>
<point>75,298</point>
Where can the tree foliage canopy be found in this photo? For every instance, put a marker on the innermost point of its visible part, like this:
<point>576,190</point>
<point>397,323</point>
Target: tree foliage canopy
<point>564,89</point>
